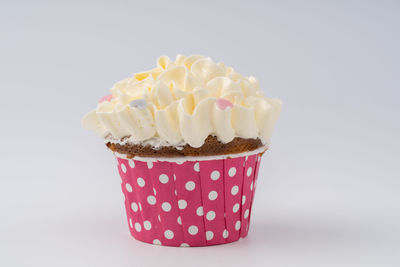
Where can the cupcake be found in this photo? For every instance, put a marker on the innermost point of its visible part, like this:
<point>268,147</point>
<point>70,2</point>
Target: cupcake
<point>188,137</point>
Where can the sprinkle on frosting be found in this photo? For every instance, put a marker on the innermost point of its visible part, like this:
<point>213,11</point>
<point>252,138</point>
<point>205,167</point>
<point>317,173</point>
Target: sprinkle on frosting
<point>223,103</point>
<point>183,102</point>
<point>138,103</point>
<point>105,98</point>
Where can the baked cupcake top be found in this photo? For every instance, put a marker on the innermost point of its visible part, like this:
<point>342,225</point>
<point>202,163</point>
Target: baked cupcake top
<point>183,102</point>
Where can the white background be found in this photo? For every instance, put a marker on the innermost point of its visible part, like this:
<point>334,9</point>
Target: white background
<point>328,193</point>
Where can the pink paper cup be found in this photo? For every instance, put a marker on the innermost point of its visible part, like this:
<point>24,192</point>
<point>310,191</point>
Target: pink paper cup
<point>198,201</point>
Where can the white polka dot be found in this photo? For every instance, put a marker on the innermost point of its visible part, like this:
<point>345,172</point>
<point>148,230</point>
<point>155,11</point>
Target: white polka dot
<point>147,225</point>
<point>246,158</point>
<point>185,245</point>
<point>128,187</point>
<point>123,167</point>
<point>210,215</point>
<point>156,242</point>
<point>149,164</point>
<point>251,186</point>
<point>140,206</point>
<point>235,208</point>
<point>249,170</point>
<point>141,181</point>
<point>154,191</point>
<point>200,211</point>
<point>182,204</point>
<point>163,178</point>
<point>193,230</point>
<point>209,235</point>
<point>151,200</point>
<point>237,225</point>
<point>235,190</point>
<point>243,200</point>
<point>196,167</point>
<point>225,234</point>
<point>190,186</point>
<point>212,195</point>
<point>138,227</point>
<point>179,220</point>
<point>131,163</point>
<point>169,234</point>
<point>134,206</point>
<point>159,218</point>
<point>176,193</point>
<point>232,171</point>
<point>130,223</point>
<point>215,175</point>
<point>246,213</point>
<point>174,177</point>
<point>166,206</point>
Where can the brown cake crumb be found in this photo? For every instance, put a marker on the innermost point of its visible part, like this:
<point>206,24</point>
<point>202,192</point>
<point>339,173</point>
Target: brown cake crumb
<point>212,146</point>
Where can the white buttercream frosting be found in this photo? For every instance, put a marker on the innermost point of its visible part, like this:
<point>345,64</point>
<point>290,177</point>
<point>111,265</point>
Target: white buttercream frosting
<point>179,102</point>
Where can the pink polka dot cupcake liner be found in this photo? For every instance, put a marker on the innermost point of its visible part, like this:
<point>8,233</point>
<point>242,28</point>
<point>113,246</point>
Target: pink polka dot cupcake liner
<point>191,202</point>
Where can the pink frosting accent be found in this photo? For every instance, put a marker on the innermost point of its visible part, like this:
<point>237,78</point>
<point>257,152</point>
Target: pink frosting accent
<point>105,98</point>
<point>223,103</point>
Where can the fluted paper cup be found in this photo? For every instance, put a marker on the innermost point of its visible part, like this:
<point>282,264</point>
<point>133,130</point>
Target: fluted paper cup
<point>198,201</point>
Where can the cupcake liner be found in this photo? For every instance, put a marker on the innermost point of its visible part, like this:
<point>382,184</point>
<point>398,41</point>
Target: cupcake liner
<point>189,202</point>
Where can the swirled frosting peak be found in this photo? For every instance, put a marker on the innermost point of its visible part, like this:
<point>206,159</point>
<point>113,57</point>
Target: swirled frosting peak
<point>182,102</point>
